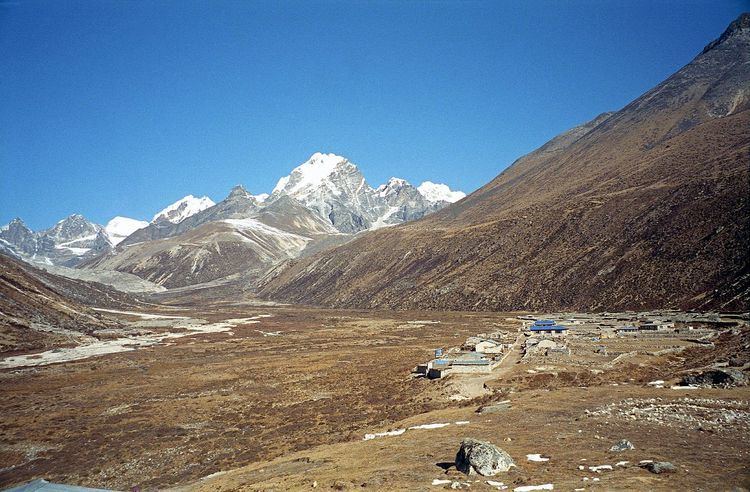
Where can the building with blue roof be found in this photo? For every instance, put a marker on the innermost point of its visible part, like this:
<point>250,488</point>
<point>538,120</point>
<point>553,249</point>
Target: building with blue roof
<point>547,327</point>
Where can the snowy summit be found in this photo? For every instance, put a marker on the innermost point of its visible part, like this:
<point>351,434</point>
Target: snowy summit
<point>182,209</point>
<point>335,189</point>
<point>309,174</point>
<point>119,228</point>
<point>436,192</point>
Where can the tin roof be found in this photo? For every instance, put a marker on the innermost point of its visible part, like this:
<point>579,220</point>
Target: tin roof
<point>548,328</point>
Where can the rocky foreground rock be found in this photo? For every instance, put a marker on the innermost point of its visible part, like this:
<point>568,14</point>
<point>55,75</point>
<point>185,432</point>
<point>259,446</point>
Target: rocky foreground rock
<point>659,467</point>
<point>622,445</point>
<point>720,378</point>
<point>483,458</point>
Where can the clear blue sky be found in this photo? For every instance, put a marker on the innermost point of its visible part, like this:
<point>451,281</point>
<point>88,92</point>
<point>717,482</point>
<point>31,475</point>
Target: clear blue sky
<point>121,107</point>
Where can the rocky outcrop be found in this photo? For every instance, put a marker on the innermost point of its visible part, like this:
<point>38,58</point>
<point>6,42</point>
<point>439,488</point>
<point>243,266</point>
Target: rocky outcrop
<point>483,458</point>
<point>717,378</point>
<point>622,445</point>
<point>659,467</point>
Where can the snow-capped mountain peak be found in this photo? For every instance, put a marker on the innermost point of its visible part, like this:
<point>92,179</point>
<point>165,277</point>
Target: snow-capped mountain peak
<point>17,222</point>
<point>311,173</point>
<point>72,227</point>
<point>436,192</point>
<point>119,228</point>
<point>241,192</point>
<point>392,186</point>
<point>334,188</point>
<point>238,191</point>
<point>182,209</point>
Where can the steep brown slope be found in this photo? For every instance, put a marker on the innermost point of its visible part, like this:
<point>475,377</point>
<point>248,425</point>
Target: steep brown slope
<point>40,310</point>
<point>240,242</point>
<point>647,207</point>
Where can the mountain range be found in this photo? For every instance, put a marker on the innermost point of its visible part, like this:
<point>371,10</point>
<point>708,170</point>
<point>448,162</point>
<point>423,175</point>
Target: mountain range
<point>645,207</point>
<point>324,201</point>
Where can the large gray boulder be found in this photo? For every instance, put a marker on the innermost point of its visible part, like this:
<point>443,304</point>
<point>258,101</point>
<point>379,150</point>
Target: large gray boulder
<point>620,446</point>
<point>659,467</point>
<point>483,458</point>
<point>719,378</point>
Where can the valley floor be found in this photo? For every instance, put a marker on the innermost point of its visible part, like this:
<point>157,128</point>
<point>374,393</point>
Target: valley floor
<point>281,398</point>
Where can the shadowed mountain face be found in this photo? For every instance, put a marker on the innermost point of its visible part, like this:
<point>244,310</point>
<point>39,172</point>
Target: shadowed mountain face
<point>645,207</point>
<point>40,310</point>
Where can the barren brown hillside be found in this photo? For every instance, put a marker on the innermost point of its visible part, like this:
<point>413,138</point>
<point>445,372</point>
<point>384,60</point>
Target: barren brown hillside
<point>646,207</point>
<point>40,310</point>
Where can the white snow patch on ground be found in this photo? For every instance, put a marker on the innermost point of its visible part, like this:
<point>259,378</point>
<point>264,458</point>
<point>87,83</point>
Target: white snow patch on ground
<point>496,484</point>
<point>528,488</point>
<point>269,333</point>
<point>428,426</point>
<point>600,468</point>
<point>437,481</point>
<point>686,387</point>
<point>536,457</point>
<point>396,432</point>
<point>239,321</point>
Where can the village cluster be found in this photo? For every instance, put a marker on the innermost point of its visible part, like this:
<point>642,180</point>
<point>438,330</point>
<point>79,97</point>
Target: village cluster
<point>590,339</point>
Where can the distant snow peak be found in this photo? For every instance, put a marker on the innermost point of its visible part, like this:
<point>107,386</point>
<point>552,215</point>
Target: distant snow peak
<point>182,209</point>
<point>17,222</point>
<point>392,186</point>
<point>436,192</point>
<point>240,191</point>
<point>119,228</point>
<point>310,173</point>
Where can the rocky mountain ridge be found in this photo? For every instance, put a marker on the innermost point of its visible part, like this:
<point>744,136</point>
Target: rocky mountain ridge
<point>67,243</point>
<point>322,203</point>
<point>644,207</point>
<point>329,185</point>
<point>336,190</point>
